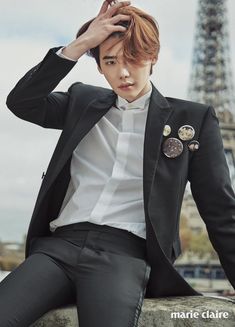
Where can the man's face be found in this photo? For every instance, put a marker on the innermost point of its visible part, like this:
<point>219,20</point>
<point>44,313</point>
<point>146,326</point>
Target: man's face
<point>126,79</point>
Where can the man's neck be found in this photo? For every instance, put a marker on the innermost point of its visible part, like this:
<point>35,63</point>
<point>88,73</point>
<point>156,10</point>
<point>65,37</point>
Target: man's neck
<point>145,90</point>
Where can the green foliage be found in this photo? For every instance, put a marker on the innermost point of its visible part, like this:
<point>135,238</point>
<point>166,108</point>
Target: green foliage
<point>198,244</point>
<point>201,245</point>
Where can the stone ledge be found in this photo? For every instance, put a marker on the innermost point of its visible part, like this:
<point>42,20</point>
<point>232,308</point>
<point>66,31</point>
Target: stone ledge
<point>157,312</point>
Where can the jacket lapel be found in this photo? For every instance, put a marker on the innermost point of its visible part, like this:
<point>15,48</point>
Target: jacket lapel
<point>158,114</point>
<point>92,114</point>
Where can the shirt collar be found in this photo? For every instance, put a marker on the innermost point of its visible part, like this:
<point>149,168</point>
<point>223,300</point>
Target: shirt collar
<point>140,103</point>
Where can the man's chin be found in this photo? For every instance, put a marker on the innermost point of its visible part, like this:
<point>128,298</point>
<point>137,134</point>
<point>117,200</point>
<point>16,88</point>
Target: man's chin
<point>127,95</point>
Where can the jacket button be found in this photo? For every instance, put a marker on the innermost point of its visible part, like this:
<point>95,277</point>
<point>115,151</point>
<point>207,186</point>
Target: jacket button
<point>43,175</point>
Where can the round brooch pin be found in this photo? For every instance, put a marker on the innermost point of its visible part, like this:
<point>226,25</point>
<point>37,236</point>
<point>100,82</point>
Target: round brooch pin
<point>193,145</point>
<point>172,147</point>
<point>166,130</point>
<point>186,132</point>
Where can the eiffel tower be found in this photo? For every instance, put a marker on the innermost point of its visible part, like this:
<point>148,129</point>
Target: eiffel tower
<point>211,82</point>
<point>211,75</point>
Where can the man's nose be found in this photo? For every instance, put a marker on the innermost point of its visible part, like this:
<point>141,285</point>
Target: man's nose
<point>124,72</point>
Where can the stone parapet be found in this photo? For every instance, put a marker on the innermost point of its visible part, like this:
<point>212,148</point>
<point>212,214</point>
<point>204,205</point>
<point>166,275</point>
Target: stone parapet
<point>190,311</point>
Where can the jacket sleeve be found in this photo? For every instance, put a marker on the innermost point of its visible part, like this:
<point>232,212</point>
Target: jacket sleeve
<point>31,99</point>
<point>213,194</point>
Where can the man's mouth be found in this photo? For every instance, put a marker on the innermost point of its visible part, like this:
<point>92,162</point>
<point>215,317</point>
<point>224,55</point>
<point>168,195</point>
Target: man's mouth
<point>125,86</point>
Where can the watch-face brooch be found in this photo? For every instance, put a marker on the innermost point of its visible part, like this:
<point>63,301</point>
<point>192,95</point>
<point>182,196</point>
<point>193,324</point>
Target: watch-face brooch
<point>173,147</point>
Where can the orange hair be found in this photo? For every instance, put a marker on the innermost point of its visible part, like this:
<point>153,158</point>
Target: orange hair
<point>140,40</point>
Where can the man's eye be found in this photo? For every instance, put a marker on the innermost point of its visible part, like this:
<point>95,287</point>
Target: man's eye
<point>110,62</point>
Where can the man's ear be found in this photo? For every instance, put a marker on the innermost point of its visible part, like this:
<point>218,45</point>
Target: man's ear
<point>154,60</point>
<point>99,69</point>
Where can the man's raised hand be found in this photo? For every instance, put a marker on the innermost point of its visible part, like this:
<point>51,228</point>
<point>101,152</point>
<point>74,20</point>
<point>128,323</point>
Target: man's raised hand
<point>105,22</point>
<point>103,25</point>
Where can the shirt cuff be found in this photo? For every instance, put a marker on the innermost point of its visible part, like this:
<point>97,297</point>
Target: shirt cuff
<point>60,54</point>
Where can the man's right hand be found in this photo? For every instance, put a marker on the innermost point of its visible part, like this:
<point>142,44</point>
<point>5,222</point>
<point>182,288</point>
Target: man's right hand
<point>99,30</point>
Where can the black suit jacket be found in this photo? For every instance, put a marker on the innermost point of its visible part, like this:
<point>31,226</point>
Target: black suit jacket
<point>75,112</point>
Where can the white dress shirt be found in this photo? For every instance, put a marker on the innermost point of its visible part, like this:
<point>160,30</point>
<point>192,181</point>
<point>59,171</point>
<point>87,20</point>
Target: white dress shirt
<point>106,185</point>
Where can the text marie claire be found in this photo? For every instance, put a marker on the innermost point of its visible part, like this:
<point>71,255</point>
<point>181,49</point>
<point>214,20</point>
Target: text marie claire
<point>204,314</point>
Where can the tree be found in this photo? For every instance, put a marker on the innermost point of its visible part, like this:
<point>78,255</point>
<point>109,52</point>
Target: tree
<point>185,233</point>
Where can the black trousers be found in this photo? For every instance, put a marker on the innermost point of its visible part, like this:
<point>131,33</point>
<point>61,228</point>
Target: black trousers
<point>100,268</point>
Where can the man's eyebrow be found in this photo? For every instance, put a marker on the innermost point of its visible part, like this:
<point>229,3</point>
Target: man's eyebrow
<point>109,57</point>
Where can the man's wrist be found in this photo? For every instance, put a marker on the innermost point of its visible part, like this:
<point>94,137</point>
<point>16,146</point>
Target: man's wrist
<point>60,54</point>
<point>76,49</point>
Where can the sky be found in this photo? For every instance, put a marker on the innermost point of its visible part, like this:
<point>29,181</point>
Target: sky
<point>28,29</point>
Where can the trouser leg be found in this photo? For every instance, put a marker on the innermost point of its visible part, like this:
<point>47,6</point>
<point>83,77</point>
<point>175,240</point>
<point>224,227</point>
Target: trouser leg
<point>110,274</point>
<point>110,289</point>
<point>33,288</point>
<point>108,269</point>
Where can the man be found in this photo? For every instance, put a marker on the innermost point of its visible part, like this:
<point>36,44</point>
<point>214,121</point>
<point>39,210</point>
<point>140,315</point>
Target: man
<point>105,227</point>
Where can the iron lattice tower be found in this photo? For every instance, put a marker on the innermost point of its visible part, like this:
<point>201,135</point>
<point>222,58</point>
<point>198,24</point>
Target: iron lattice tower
<point>211,76</point>
<point>211,83</point>
<point>211,79</point>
